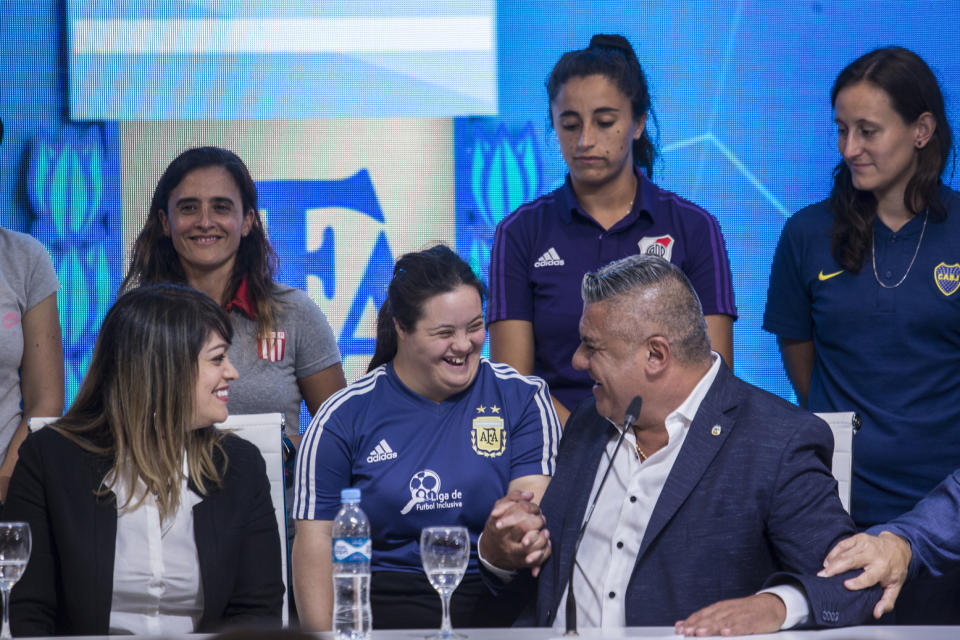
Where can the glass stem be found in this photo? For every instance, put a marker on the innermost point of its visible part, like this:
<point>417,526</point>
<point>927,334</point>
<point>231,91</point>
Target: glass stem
<point>5,632</point>
<point>446,630</point>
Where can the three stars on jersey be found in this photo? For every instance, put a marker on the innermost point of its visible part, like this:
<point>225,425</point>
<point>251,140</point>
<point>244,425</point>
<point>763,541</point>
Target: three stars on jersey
<point>488,436</point>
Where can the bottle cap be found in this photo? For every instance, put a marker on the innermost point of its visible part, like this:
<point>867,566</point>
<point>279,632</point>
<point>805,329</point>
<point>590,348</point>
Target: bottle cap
<point>351,494</point>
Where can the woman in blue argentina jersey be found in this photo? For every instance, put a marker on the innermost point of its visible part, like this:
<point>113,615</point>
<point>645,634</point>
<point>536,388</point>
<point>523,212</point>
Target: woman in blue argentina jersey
<point>863,297</point>
<point>434,434</point>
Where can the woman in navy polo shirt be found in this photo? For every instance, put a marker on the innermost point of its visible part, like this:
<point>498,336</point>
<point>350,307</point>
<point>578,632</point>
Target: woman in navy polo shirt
<point>863,294</point>
<point>607,209</point>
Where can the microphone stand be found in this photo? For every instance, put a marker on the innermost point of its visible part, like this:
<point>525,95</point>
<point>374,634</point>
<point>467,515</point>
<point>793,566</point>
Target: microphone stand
<point>633,412</point>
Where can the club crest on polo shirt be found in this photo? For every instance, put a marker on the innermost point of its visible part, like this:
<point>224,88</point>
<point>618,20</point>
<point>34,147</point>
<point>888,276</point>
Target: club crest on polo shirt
<point>272,348</point>
<point>488,436</point>
<point>947,277</point>
<point>660,246</point>
<point>426,493</point>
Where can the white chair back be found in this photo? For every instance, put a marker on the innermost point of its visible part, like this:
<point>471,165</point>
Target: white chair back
<point>265,431</point>
<point>843,424</point>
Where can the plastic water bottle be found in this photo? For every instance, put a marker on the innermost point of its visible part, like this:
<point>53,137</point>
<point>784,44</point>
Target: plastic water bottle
<point>352,619</point>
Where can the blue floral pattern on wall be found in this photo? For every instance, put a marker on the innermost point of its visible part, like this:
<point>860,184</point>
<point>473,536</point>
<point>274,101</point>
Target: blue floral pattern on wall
<point>496,172</point>
<point>72,185</point>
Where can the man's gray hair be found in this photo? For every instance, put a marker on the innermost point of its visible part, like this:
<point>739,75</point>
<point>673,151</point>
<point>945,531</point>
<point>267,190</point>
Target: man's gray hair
<point>656,293</point>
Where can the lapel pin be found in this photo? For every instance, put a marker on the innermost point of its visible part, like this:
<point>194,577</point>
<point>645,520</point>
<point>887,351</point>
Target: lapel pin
<point>717,430</point>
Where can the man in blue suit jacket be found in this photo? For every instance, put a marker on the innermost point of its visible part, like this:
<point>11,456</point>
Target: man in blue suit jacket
<point>722,489</point>
<point>923,541</point>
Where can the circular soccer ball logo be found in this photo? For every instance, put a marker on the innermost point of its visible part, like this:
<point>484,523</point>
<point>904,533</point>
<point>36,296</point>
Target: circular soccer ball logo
<point>424,485</point>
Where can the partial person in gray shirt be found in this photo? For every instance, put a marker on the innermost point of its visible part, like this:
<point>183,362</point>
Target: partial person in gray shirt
<point>31,347</point>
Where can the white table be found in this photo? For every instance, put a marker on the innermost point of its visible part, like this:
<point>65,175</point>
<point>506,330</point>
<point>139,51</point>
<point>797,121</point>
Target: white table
<point>848,633</point>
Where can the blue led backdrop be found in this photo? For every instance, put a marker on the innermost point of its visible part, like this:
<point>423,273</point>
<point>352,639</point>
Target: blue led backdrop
<point>433,127</point>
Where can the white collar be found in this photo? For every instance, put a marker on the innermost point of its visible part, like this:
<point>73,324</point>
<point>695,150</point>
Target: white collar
<point>691,404</point>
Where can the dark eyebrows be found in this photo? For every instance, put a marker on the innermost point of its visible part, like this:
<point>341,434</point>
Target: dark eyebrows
<point>183,201</point>
<point>598,111</point>
<point>193,200</point>
<point>474,320</point>
<point>858,122</point>
<point>588,341</point>
<point>219,346</point>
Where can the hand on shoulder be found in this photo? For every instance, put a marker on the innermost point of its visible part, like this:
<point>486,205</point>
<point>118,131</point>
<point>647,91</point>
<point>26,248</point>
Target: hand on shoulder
<point>884,559</point>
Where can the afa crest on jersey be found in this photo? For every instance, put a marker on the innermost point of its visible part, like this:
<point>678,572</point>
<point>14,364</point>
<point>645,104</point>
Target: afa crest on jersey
<point>947,277</point>
<point>488,437</point>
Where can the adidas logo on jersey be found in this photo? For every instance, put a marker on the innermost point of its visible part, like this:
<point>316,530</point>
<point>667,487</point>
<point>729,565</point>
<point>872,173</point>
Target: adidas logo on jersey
<point>549,259</point>
<point>381,453</point>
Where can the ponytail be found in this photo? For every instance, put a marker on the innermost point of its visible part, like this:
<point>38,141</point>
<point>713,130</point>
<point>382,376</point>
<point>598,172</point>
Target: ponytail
<point>386,347</point>
<point>612,56</point>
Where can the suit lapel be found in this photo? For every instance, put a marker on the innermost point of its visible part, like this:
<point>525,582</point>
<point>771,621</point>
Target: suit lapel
<point>104,519</point>
<point>697,452</point>
<point>208,552</point>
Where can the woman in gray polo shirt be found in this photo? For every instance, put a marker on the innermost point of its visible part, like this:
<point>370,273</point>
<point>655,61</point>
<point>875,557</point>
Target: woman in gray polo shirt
<point>204,230</point>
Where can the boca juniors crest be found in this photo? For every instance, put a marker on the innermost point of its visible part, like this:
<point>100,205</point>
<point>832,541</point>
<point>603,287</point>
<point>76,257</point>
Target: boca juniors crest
<point>947,277</point>
<point>488,437</point>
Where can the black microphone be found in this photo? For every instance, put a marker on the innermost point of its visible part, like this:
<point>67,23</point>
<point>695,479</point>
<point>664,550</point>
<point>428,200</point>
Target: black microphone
<point>633,412</point>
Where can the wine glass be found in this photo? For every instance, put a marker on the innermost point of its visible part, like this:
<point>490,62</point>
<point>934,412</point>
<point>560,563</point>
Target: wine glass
<point>445,552</point>
<point>14,553</point>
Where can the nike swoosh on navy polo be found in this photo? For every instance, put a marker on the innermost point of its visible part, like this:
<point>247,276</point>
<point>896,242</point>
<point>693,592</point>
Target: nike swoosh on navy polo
<point>826,276</point>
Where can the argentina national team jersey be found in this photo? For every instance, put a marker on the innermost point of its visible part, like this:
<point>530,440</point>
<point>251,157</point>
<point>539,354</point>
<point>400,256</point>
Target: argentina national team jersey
<point>420,463</point>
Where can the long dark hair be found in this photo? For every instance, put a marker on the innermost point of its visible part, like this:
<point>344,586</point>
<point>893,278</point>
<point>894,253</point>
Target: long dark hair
<point>611,56</point>
<point>154,259</point>
<point>913,90</point>
<point>136,403</point>
<point>417,277</point>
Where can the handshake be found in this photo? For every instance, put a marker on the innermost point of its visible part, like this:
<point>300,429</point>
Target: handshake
<point>515,535</point>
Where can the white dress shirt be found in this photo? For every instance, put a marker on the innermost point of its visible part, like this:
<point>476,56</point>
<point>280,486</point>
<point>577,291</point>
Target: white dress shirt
<point>611,542</point>
<point>156,570</point>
